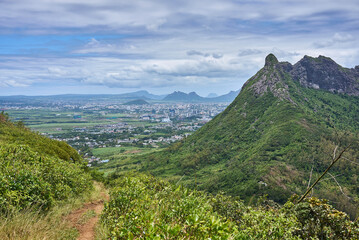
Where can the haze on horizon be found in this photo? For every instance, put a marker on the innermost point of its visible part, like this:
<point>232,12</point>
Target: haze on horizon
<point>66,47</point>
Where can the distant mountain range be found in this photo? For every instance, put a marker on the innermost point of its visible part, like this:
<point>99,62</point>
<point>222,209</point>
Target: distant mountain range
<point>176,96</point>
<point>194,97</point>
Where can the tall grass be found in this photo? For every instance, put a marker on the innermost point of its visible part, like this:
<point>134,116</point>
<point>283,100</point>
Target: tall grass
<point>52,225</point>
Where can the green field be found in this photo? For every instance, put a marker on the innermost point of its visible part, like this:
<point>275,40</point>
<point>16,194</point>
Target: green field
<point>50,120</point>
<point>120,158</point>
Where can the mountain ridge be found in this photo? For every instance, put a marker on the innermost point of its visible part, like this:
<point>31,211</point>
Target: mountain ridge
<point>178,96</point>
<point>268,139</point>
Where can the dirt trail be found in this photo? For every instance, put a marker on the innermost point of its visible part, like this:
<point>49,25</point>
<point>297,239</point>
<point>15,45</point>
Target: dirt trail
<point>86,225</point>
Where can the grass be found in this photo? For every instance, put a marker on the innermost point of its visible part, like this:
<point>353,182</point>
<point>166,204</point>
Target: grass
<point>120,158</point>
<point>29,224</point>
<point>86,216</point>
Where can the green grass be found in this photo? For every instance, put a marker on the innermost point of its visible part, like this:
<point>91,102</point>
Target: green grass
<point>120,158</point>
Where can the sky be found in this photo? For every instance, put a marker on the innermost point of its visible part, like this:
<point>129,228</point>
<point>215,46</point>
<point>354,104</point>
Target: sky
<point>50,47</point>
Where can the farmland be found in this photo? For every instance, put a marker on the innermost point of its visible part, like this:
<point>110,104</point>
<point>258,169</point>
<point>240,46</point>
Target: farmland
<point>106,134</point>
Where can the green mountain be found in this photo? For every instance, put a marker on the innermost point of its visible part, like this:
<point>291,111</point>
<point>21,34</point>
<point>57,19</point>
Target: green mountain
<point>279,134</point>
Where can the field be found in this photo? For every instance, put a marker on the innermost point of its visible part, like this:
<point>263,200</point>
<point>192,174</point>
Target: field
<point>119,158</point>
<point>60,121</point>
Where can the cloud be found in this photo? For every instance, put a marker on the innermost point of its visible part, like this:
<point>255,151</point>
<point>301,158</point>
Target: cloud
<point>95,46</point>
<point>136,44</point>
<point>56,71</point>
<point>248,52</point>
<point>280,53</point>
<point>336,39</point>
<point>13,83</point>
<point>114,16</point>
<point>198,53</point>
<point>156,24</point>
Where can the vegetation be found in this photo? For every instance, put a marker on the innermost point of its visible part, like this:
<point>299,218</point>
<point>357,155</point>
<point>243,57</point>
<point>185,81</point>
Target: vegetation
<point>147,208</point>
<point>35,171</point>
<point>53,224</point>
<point>272,140</point>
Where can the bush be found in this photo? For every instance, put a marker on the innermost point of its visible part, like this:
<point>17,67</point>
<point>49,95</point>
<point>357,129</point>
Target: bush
<point>147,208</point>
<point>143,207</point>
<point>29,179</point>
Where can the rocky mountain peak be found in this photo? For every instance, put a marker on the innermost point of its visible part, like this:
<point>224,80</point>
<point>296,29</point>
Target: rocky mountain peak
<point>319,73</point>
<point>271,79</point>
<point>270,60</point>
<point>324,73</point>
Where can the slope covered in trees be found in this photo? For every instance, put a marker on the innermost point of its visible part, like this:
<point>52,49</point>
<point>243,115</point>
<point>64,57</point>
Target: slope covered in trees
<point>275,138</point>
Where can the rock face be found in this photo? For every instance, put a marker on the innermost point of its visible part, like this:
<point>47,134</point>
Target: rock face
<point>318,73</point>
<point>323,73</point>
<point>270,78</point>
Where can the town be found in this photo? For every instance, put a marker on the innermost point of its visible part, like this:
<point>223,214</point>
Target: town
<point>94,127</point>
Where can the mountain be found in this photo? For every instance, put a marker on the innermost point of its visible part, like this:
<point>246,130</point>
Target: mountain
<point>278,135</point>
<point>324,73</point>
<point>136,102</point>
<point>193,97</point>
<point>178,96</point>
<point>229,97</point>
<point>77,98</point>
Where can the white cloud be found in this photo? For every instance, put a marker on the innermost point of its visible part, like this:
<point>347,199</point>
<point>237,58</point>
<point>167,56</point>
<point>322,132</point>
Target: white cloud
<point>13,83</point>
<point>170,43</point>
<point>336,39</point>
<point>248,52</point>
<point>56,71</point>
<point>115,15</point>
<point>199,53</point>
<point>156,24</point>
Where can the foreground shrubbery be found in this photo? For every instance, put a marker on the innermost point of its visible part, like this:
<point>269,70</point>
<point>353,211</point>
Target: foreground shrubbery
<point>144,207</point>
<point>27,178</point>
<point>32,178</point>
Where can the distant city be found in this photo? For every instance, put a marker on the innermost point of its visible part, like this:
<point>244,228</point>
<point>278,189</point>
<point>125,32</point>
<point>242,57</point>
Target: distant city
<point>90,123</point>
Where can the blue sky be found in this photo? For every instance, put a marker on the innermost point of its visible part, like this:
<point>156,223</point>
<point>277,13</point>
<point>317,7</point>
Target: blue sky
<point>115,46</point>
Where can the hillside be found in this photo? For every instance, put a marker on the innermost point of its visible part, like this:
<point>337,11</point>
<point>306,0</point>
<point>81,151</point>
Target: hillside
<point>37,172</point>
<point>275,138</point>
<point>143,207</point>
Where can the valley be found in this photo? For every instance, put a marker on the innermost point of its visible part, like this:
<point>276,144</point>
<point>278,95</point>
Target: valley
<point>194,170</point>
<point>179,120</point>
<point>109,131</point>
